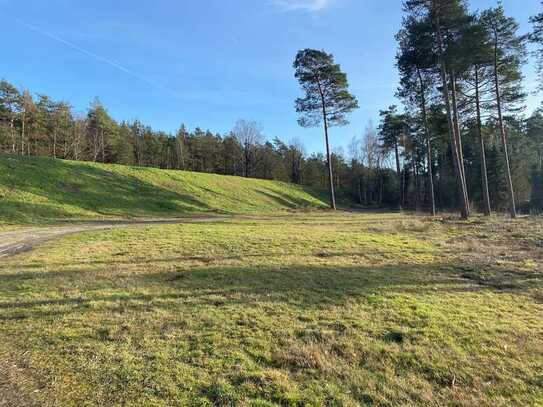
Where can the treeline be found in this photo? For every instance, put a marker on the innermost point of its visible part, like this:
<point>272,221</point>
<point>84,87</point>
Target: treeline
<point>461,139</point>
<point>365,173</point>
<point>40,126</point>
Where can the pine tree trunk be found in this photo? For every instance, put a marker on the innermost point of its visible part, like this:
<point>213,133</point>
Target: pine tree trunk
<point>246,169</point>
<point>12,133</point>
<point>65,141</point>
<point>446,98</point>
<point>360,191</point>
<point>428,144</point>
<point>484,173</point>
<point>415,182</point>
<point>102,142</point>
<point>458,131</point>
<point>381,187</point>
<point>399,172</point>
<point>182,152</point>
<point>29,141</point>
<point>365,191</point>
<point>328,154</point>
<point>338,179</point>
<point>77,142</point>
<point>329,158</point>
<point>512,203</point>
<point>23,124</point>
<point>404,187</point>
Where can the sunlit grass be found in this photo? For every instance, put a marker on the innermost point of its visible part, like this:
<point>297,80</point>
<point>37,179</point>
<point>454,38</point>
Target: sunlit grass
<point>41,190</point>
<point>312,309</point>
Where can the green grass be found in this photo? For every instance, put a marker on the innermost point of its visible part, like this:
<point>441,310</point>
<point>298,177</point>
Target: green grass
<point>40,190</point>
<point>313,310</point>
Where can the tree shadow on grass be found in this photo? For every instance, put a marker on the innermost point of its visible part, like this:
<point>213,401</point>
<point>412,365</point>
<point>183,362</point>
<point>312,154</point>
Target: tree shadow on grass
<point>289,201</point>
<point>18,212</point>
<point>305,288</point>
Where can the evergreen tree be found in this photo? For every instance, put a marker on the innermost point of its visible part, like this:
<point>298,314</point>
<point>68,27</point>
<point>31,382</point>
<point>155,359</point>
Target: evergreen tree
<point>475,56</point>
<point>327,99</point>
<point>537,37</point>
<point>509,54</point>
<point>444,21</point>
<point>392,132</point>
<point>417,65</point>
<point>101,131</point>
<point>10,101</point>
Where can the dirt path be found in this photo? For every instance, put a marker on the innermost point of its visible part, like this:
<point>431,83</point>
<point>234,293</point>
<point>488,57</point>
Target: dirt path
<point>23,240</point>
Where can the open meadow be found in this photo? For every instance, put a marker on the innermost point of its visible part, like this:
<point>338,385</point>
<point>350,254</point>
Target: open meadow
<point>272,203</point>
<point>314,309</point>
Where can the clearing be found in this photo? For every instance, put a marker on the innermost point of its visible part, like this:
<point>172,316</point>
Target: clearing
<point>312,309</point>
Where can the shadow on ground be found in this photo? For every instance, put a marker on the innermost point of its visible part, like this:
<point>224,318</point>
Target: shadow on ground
<point>303,287</point>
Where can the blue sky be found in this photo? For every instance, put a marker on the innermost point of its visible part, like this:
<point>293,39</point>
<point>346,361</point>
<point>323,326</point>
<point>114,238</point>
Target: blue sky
<point>208,62</point>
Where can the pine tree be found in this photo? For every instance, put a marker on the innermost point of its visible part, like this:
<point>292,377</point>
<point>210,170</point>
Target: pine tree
<point>101,129</point>
<point>327,99</point>
<point>474,59</point>
<point>391,132</point>
<point>444,20</point>
<point>10,100</point>
<point>416,62</point>
<point>509,54</point>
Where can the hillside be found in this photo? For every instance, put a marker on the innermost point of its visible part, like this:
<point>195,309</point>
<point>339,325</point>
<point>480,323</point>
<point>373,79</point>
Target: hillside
<point>41,190</point>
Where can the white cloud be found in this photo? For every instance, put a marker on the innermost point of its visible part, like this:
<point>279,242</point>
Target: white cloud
<point>303,5</point>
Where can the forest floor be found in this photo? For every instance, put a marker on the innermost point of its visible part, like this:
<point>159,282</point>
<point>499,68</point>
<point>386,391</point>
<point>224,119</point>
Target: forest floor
<point>309,309</point>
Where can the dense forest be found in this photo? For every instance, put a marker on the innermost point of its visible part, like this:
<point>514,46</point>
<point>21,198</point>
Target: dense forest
<point>461,140</point>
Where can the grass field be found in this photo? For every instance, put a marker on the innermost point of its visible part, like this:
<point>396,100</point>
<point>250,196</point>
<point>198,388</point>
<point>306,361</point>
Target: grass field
<point>304,310</point>
<point>40,190</point>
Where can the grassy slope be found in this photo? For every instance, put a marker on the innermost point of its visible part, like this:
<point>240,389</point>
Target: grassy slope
<point>37,190</point>
<point>319,310</point>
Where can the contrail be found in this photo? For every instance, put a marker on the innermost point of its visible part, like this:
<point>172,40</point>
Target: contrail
<point>94,56</point>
